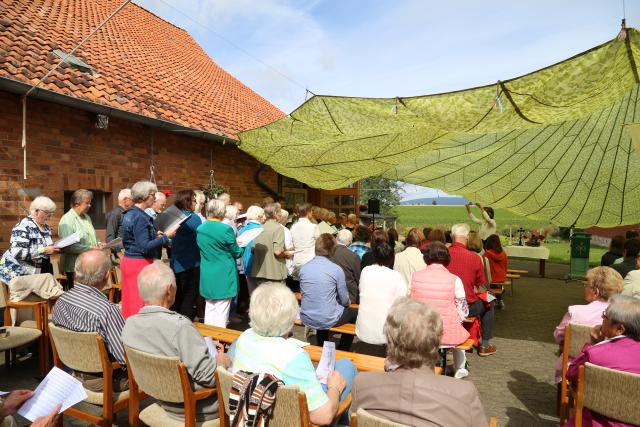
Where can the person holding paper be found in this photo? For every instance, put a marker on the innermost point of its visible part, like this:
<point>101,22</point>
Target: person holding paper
<point>16,399</point>
<point>158,330</point>
<point>77,220</point>
<point>263,348</point>
<point>27,259</point>
<point>114,218</point>
<point>141,243</point>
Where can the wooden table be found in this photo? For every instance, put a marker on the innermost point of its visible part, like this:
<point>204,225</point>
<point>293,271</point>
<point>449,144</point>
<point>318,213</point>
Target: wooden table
<point>540,253</point>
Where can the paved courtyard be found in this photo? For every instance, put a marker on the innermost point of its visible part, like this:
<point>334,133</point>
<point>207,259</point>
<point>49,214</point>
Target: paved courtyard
<point>515,384</point>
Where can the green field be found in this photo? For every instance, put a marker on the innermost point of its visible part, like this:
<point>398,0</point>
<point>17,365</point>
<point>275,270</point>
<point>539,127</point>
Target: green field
<point>445,216</point>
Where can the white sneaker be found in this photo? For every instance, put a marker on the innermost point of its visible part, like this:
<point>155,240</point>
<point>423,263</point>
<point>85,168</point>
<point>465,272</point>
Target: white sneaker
<point>461,373</point>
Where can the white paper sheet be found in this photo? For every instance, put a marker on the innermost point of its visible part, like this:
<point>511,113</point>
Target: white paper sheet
<point>298,342</point>
<point>56,387</point>
<point>115,243</point>
<point>245,238</point>
<point>2,393</point>
<point>68,241</point>
<point>327,362</point>
<point>211,346</point>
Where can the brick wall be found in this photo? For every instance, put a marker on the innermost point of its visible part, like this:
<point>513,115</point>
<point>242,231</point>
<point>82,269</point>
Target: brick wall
<point>66,152</point>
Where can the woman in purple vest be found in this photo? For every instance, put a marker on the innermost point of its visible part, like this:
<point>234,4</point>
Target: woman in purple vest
<point>445,292</point>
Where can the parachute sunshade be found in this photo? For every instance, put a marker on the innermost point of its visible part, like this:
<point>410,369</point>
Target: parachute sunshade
<point>550,145</point>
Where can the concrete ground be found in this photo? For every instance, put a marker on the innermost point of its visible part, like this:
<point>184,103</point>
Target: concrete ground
<point>515,385</point>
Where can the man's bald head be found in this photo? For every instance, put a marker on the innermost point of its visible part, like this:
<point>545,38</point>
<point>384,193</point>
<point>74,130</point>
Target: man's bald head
<point>92,268</point>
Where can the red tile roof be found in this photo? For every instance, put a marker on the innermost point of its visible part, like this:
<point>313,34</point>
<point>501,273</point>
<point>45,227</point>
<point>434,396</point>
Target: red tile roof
<point>143,64</point>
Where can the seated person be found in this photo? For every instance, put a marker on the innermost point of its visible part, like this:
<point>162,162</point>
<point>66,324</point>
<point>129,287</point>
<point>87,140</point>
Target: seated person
<point>498,265</point>
<point>158,330</point>
<point>632,282</point>
<point>378,236</point>
<point>409,392</point>
<point>601,284</point>
<point>325,297</point>
<point>616,345</point>
<point>11,403</point>
<point>410,259</point>
<point>615,251</point>
<point>263,348</point>
<point>445,292</point>
<point>361,236</point>
<point>379,288</point>
<point>349,262</point>
<point>631,254</point>
<point>84,308</point>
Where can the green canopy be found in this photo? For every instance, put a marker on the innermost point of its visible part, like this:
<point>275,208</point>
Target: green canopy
<point>549,145</point>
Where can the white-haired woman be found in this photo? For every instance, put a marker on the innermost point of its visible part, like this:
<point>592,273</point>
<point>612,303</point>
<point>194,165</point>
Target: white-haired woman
<point>264,348</point>
<point>77,220</point>
<point>218,273</point>
<point>201,201</point>
<point>31,245</point>
<point>230,215</point>
<point>255,219</point>
<point>409,392</point>
<point>288,240</point>
<point>141,243</point>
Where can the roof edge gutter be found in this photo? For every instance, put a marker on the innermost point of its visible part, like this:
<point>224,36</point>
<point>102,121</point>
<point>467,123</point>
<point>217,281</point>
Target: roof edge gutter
<point>20,88</point>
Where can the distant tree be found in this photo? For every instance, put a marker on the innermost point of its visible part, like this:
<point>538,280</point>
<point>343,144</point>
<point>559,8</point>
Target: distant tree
<point>384,189</point>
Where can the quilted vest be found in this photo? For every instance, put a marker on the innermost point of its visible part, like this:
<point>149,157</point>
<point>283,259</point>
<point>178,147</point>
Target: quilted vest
<point>436,287</point>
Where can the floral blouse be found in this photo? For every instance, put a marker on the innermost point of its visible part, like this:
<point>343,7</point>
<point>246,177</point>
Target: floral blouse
<point>23,258</point>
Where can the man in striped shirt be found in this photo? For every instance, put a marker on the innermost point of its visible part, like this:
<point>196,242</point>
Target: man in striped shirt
<point>85,308</point>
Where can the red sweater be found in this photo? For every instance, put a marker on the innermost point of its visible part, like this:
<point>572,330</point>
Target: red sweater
<point>468,267</point>
<point>498,265</point>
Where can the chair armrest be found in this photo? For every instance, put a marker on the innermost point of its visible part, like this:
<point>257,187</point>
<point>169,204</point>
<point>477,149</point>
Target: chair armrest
<point>115,365</point>
<point>203,393</point>
<point>25,304</point>
<point>493,422</point>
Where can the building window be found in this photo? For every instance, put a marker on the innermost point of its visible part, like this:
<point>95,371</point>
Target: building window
<point>97,212</point>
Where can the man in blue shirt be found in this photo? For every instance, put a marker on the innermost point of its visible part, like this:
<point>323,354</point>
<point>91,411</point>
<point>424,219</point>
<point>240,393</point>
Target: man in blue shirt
<point>325,297</point>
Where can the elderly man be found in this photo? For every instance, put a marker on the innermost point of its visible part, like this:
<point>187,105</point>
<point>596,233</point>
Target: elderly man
<point>85,308</point>
<point>468,267</point>
<point>158,206</point>
<point>408,392</point>
<point>269,249</point>
<point>114,217</point>
<point>350,263</point>
<point>158,330</point>
<point>304,234</point>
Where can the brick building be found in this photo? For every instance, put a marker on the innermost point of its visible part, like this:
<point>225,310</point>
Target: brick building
<point>140,93</point>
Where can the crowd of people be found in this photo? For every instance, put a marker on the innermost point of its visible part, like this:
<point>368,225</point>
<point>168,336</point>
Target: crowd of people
<point>408,295</point>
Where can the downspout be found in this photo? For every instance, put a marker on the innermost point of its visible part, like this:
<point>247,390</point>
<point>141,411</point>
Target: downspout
<point>262,184</point>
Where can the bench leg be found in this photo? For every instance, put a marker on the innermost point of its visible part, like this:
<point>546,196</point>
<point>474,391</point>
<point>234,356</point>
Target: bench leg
<point>542,267</point>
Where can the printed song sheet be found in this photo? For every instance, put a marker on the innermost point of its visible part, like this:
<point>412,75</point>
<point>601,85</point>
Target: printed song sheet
<point>68,241</point>
<point>56,387</point>
<point>327,362</point>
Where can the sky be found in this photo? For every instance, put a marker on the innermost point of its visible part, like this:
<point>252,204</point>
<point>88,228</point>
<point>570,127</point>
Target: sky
<point>282,48</point>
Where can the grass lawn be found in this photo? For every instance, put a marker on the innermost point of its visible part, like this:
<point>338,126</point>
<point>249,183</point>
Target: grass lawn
<point>445,216</point>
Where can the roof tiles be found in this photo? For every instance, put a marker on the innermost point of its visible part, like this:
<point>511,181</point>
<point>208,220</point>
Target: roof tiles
<point>142,64</point>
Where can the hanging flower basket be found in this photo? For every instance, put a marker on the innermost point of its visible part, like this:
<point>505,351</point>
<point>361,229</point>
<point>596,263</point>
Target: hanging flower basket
<point>212,189</point>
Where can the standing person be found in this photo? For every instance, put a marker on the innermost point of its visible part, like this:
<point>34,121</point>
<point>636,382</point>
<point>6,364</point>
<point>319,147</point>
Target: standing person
<point>141,244</point>
<point>269,251</point>
<point>185,256</point>
<point>201,201</point>
<point>410,259</point>
<point>304,234</point>
<point>255,219</point>
<point>288,241</point>
<point>468,267</point>
<point>158,206</point>
<point>350,264</point>
<point>77,220</point>
<point>380,286</point>
<point>487,223</point>
<point>444,291</point>
<point>114,217</point>
<point>325,297</point>
<point>225,198</point>
<point>218,274</point>
<point>230,215</point>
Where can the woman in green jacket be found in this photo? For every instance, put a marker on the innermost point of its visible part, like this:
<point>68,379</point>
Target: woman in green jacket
<point>77,220</point>
<point>218,272</point>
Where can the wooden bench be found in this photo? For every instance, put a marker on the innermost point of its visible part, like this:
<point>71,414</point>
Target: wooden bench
<point>299,298</point>
<point>347,328</point>
<point>522,272</point>
<point>363,362</point>
<point>470,319</point>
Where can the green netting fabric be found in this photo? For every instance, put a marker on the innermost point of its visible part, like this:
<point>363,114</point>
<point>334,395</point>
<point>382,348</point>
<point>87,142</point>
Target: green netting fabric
<point>548,145</point>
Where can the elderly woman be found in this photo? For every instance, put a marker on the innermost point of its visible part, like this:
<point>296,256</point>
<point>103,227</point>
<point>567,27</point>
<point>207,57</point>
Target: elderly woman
<point>201,201</point>
<point>264,348</point>
<point>601,284</point>
<point>28,254</point>
<point>409,392</point>
<point>379,288</point>
<point>77,220</point>
<point>444,291</point>
<point>325,297</point>
<point>615,345</point>
<point>255,219</point>
<point>410,259</point>
<point>283,219</point>
<point>218,273</point>
<point>230,215</point>
<point>141,243</point>
<point>185,256</point>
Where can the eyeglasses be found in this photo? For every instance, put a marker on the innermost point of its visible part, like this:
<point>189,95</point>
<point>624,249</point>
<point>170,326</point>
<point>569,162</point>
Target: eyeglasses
<point>605,315</point>
<point>48,213</point>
